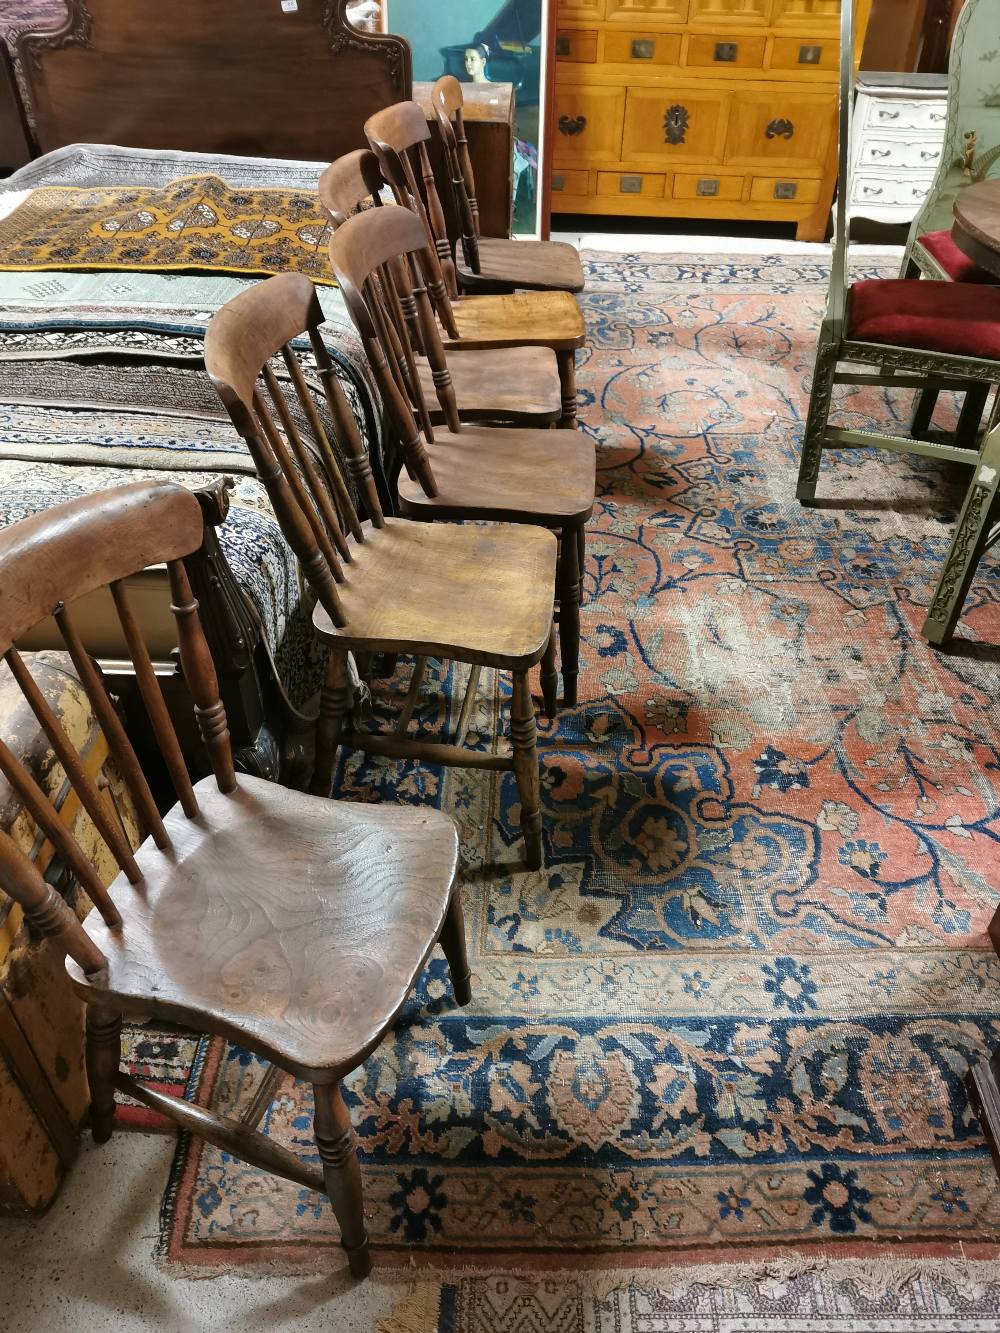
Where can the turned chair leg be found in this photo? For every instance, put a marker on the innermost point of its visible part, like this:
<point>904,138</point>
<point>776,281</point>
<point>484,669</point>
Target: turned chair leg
<point>980,512</point>
<point>524,744</point>
<point>567,383</point>
<point>103,1058</point>
<point>342,1173</point>
<point>549,677</point>
<point>452,941</point>
<point>568,584</point>
<point>816,423</point>
<point>332,707</point>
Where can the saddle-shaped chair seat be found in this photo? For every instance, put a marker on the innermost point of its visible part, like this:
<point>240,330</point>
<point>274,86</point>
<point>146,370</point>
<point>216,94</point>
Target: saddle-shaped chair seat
<point>519,383</point>
<point>954,318</point>
<point>481,593</point>
<point>528,265</point>
<point>940,245</point>
<point>504,476</point>
<point>296,924</point>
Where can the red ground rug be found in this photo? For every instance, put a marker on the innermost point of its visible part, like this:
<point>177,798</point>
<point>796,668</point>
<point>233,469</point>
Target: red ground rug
<point>732,1017</point>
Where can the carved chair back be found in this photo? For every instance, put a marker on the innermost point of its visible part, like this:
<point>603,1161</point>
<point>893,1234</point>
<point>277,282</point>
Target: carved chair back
<point>48,562</point>
<point>378,260</point>
<point>399,136</point>
<point>449,103</point>
<point>308,491</point>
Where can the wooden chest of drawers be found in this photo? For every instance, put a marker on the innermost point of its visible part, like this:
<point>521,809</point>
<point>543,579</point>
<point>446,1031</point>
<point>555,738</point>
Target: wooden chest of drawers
<point>698,108</point>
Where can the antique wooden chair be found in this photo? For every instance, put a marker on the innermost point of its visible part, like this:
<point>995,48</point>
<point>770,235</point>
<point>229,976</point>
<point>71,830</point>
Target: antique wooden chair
<point>292,925</point>
<point>480,594</point>
<point>398,135</point>
<point>471,472</point>
<point>509,385</point>
<point>918,334</point>
<point>493,264</point>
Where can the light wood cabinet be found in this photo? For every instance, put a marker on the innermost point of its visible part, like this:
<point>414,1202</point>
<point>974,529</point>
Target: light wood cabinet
<point>698,108</point>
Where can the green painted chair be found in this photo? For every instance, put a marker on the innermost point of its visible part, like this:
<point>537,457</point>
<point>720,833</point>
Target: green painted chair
<point>971,146</point>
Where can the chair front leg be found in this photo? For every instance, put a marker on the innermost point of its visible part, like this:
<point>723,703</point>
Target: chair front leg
<point>452,941</point>
<point>819,415</point>
<point>342,1173</point>
<point>971,416</point>
<point>980,512</point>
<point>567,384</point>
<point>103,1057</point>
<point>923,413</point>
<point>332,707</point>
<point>524,743</point>
<point>568,584</point>
<point>549,678</point>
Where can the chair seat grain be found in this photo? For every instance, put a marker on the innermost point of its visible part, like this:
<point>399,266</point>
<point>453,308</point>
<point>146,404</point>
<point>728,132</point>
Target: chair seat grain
<point>294,924</point>
<point>501,578</point>
<point>518,384</point>
<point>532,265</point>
<point>514,475</point>
<point>528,319</point>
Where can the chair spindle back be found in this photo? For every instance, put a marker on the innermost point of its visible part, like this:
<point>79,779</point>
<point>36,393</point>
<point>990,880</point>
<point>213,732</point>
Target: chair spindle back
<point>399,136</point>
<point>387,246</point>
<point>449,103</point>
<point>47,562</point>
<point>351,182</point>
<point>303,478</point>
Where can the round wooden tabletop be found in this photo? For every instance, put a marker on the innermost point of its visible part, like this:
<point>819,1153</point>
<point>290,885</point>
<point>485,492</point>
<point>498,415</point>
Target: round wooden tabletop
<point>976,230</point>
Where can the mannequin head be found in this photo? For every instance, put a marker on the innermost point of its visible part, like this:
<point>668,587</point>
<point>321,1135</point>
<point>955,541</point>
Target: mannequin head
<point>475,64</point>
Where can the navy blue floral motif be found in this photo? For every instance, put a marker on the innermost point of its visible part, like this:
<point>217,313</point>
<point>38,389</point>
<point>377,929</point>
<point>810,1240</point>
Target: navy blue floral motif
<point>418,1204</point>
<point>839,1201</point>
<point>732,1204</point>
<point>790,984</point>
<point>950,1198</point>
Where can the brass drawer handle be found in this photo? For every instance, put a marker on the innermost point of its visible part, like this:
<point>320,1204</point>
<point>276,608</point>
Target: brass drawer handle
<point>630,185</point>
<point>810,55</point>
<point>780,129</point>
<point>785,189</point>
<point>558,182</point>
<point>572,125</point>
<point>643,49</point>
<point>564,46</point>
<point>726,52</point>
<point>708,189</point>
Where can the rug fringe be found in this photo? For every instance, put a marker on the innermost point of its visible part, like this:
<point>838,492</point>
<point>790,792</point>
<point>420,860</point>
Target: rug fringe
<point>418,1312</point>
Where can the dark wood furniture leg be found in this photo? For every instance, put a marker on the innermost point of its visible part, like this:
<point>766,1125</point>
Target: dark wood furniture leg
<point>549,678</point>
<point>567,383</point>
<point>524,743</point>
<point>332,707</point>
<point>342,1173</point>
<point>104,1053</point>
<point>452,941</point>
<point>569,614</point>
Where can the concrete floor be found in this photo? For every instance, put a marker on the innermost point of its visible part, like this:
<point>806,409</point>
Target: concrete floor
<point>87,1266</point>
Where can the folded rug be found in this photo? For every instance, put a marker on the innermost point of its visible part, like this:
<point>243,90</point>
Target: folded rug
<point>195,223</point>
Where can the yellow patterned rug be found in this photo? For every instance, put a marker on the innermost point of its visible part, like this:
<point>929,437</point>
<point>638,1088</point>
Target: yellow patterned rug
<point>195,223</point>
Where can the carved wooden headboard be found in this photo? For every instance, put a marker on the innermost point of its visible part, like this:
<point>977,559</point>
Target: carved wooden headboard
<point>266,78</point>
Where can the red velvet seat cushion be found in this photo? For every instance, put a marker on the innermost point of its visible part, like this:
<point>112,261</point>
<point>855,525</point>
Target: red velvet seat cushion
<point>959,267</point>
<point>961,319</point>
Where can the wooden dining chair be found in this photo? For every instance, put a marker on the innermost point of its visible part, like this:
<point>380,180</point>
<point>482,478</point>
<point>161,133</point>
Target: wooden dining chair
<point>918,334</point>
<point>479,594</point>
<point>398,136</point>
<point>291,925</point>
<point>472,472</point>
<point>508,385</point>
<point>493,264</point>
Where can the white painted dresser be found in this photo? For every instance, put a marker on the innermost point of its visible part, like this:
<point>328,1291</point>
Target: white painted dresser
<point>896,141</point>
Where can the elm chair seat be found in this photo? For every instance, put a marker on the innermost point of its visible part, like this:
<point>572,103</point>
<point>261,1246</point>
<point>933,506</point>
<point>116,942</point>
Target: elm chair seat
<point>956,319</point>
<point>940,245</point>
<point>538,266</point>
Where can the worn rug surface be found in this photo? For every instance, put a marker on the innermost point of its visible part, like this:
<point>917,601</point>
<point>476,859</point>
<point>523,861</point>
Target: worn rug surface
<point>730,1021</point>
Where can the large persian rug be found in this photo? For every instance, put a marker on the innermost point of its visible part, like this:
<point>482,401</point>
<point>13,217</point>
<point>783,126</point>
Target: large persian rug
<point>729,1023</point>
<point>194,223</point>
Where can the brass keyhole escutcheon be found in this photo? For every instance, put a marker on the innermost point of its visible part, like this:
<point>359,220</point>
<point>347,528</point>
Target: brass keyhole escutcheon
<point>780,129</point>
